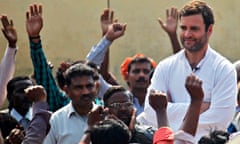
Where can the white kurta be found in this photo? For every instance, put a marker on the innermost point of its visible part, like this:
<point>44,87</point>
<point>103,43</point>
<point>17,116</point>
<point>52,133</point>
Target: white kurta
<point>219,86</point>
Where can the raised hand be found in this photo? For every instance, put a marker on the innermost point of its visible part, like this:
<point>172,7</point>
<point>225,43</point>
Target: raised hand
<point>9,31</point>
<point>158,100</point>
<point>36,93</point>
<point>106,19</point>
<point>170,26</point>
<point>96,115</point>
<point>194,88</point>
<point>115,31</point>
<point>34,21</point>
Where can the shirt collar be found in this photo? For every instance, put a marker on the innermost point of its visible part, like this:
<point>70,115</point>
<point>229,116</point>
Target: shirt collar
<point>72,111</point>
<point>18,116</point>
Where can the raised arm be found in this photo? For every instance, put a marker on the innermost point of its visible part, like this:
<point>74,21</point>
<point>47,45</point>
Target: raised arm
<point>194,88</point>
<point>106,19</point>
<point>39,125</point>
<point>7,67</point>
<point>170,27</point>
<point>43,73</point>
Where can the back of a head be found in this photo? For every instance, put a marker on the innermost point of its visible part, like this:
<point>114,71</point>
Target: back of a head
<point>198,7</point>
<point>215,137</point>
<point>110,131</point>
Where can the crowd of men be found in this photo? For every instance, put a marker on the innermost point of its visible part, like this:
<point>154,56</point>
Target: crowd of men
<point>189,97</point>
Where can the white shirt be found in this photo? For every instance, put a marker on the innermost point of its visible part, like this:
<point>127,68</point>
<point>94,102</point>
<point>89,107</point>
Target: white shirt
<point>19,117</point>
<point>219,85</point>
<point>67,126</point>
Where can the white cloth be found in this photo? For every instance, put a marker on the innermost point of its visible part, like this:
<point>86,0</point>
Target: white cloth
<point>219,85</point>
<point>181,137</point>
<point>24,121</point>
<point>67,126</point>
<point>7,69</point>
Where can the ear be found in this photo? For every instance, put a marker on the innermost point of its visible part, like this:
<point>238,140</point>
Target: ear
<point>210,30</point>
<point>66,89</point>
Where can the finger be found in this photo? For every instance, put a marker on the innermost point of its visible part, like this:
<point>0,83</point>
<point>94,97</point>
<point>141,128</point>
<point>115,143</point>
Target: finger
<point>111,16</point>
<point>40,9</point>
<point>167,13</point>
<point>5,21</point>
<point>27,15</point>
<point>115,21</point>
<point>160,22</point>
<point>31,10</point>
<point>11,22</point>
<point>4,33</point>
<point>35,9</point>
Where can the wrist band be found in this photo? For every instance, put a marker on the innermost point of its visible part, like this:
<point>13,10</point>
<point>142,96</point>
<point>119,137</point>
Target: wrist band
<point>34,37</point>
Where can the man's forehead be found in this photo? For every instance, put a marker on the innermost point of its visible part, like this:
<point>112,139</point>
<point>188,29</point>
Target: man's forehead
<point>82,80</point>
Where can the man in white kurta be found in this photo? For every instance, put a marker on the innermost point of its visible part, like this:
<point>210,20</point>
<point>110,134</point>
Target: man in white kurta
<point>216,72</point>
<point>219,85</point>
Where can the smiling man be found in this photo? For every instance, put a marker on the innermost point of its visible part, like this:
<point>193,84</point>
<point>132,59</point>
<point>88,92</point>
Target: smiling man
<point>199,59</point>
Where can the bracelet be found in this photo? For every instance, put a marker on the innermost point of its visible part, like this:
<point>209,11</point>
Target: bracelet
<point>34,37</point>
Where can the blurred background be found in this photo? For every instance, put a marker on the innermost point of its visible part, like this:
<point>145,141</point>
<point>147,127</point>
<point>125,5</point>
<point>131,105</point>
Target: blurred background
<point>72,27</point>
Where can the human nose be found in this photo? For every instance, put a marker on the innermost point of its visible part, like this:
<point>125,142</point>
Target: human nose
<point>85,90</point>
<point>188,33</point>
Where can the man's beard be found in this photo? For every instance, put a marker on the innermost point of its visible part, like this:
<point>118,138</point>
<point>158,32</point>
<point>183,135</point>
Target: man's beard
<point>199,44</point>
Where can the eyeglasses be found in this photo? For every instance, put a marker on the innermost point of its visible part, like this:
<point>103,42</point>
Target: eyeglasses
<point>125,105</point>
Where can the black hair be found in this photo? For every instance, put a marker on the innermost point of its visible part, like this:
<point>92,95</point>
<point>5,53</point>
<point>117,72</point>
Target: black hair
<point>80,69</point>
<point>139,60</point>
<point>12,87</point>
<point>109,131</point>
<point>215,137</point>
<point>7,123</point>
<point>114,89</point>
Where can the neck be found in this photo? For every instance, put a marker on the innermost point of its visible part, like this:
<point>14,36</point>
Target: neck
<point>195,57</point>
<point>139,94</point>
<point>83,110</point>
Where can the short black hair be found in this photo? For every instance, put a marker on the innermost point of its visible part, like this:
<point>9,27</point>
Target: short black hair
<point>109,131</point>
<point>12,86</point>
<point>139,60</point>
<point>215,137</point>
<point>80,69</point>
<point>114,89</point>
<point>198,7</point>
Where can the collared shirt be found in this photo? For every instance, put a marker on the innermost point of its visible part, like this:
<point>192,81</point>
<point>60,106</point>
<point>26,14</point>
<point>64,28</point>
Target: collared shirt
<point>7,69</point>
<point>67,126</point>
<point>218,77</point>
<point>139,107</point>
<point>19,117</point>
<point>56,98</point>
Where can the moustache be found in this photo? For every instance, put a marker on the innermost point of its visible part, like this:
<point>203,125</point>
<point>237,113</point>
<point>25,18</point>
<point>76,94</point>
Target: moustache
<point>141,79</point>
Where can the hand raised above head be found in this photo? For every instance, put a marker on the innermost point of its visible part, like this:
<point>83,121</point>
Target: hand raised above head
<point>170,26</point>
<point>115,31</point>
<point>34,21</point>
<point>9,31</point>
<point>158,100</point>
<point>106,19</point>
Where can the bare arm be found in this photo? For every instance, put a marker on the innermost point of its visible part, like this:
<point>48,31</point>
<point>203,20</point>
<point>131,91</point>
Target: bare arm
<point>194,87</point>
<point>170,27</point>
